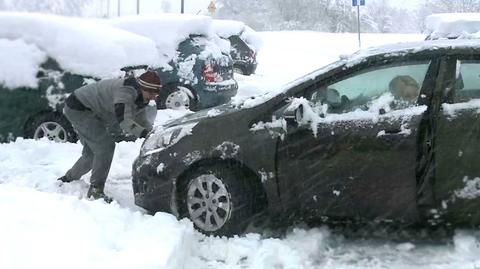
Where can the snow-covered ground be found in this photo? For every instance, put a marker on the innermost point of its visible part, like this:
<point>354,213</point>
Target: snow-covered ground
<point>47,225</point>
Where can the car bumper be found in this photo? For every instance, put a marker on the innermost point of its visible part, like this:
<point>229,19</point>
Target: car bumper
<point>217,93</point>
<point>247,68</point>
<point>154,192</point>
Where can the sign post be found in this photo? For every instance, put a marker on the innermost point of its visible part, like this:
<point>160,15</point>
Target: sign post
<point>358,3</point>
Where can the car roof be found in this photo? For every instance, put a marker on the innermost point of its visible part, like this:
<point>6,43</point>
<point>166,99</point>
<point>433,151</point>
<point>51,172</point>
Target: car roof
<point>66,40</point>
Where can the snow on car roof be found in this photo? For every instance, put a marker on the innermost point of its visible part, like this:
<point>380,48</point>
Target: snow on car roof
<point>452,25</point>
<point>166,30</point>
<point>80,46</point>
<point>227,28</point>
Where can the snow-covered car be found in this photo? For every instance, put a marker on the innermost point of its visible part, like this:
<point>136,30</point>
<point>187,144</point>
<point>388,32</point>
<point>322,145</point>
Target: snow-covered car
<point>244,44</point>
<point>45,58</point>
<point>452,25</point>
<point>196,70</point>
<point>389,133</point>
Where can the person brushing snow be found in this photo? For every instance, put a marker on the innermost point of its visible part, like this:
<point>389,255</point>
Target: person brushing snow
<point>97,111</point>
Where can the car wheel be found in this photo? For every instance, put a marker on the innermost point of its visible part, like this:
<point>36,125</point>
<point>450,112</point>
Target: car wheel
<point>177,97</point>
<point>52,126</point>
<point>238,70</point>
<point>219,201</point>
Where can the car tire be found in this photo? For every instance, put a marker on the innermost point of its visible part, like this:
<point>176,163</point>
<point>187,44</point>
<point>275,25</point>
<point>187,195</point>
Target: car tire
<point>238,70</point>
<point>51,125</point>
<point>218,200</point>
<point>176,96</point>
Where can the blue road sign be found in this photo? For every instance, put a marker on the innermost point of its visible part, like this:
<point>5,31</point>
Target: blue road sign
<point>358,3</point>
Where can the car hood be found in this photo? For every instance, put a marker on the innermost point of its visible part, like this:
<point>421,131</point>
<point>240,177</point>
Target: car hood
<point>202,114</point>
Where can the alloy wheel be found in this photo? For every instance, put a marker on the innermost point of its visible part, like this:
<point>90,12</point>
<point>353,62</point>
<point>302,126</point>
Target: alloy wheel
<point>51,130</point>
<point>178,100</point>
<point>208,201</point>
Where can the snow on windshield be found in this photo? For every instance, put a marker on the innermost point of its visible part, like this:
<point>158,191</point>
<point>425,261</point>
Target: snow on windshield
<point>66,39</point>
<point>452,25</point>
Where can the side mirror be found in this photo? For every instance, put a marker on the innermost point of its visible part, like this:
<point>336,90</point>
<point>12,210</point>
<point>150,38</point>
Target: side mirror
<point>294,117</point>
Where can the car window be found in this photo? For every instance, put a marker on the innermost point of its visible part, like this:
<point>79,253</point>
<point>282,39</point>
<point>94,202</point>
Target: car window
<point>467,82</point>
<point>398,85</point>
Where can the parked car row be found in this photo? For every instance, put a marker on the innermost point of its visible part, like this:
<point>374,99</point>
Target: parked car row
<point>194,64</point>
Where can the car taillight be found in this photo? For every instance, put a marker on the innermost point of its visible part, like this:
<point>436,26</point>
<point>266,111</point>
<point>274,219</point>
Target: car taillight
<point>208,74</point>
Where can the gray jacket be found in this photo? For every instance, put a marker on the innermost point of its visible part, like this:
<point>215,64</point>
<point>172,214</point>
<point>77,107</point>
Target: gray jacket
<point>104,98</point>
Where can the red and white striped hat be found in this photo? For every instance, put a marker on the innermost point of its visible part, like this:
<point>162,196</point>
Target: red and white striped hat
<point>150,81</point>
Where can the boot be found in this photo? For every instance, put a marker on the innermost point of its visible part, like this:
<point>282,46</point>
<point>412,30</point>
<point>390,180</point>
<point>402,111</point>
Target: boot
<point>95,193</point>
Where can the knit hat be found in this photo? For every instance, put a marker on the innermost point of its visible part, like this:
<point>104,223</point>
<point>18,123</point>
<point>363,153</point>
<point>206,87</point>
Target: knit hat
<point>150,81</point>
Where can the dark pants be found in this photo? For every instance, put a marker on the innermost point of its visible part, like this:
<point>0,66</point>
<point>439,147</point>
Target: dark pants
<point>98,146</point>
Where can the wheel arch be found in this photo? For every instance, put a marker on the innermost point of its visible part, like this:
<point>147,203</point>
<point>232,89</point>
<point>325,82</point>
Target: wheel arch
<point>254,179</point>
<point>27,132</point>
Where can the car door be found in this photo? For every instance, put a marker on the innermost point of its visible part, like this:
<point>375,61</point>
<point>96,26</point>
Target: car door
<point>355,154</point>
<point>457,142</point>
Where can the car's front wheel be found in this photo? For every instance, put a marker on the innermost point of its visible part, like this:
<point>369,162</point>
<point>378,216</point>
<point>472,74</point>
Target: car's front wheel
<point>218,200</point>
<point>54,127</point>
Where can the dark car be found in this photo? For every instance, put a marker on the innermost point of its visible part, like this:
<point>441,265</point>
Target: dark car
<point>37,112</point>
<point>350,141</point>
<point>208,82</point>
<point>243,44</point>
<point>196,72</point>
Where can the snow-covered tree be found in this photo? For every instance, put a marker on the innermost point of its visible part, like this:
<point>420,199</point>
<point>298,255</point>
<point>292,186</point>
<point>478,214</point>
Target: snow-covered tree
<point>437,6</point>
<point>63,7</point>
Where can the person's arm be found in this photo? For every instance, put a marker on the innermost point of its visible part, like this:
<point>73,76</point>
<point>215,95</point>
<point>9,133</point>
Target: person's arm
<point>124,105</point>
<point>146,116</point>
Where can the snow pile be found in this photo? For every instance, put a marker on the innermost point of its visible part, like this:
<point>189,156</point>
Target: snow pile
<point>227,28</point>
<point>86,234</point>
<point>80,46</point>
<point>453,25</point>
<point>20,62</point>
